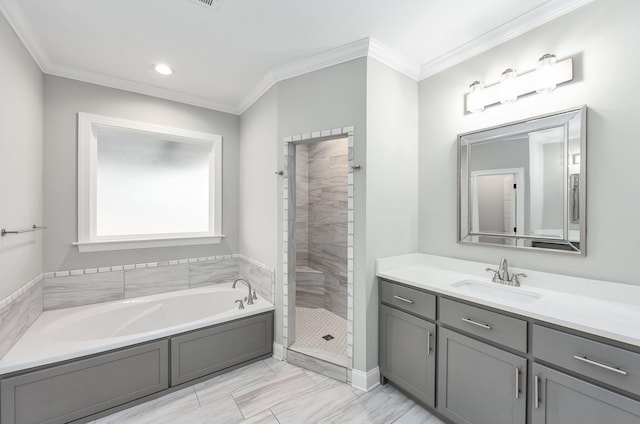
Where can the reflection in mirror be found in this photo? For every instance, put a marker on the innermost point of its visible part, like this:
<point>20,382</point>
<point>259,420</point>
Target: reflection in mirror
<point>523,184</point>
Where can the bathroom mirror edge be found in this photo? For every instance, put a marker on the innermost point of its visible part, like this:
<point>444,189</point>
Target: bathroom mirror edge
<point>568,231</point>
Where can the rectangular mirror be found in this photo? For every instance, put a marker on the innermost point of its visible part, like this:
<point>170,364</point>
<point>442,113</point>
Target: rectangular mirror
<point>523,184</point>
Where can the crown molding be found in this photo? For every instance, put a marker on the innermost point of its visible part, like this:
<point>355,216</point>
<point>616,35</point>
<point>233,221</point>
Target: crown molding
<point>394,59</point>
<point>526,22</point>
<point>24,32</point>
<point>325,59</point>
<point>366,47</point>
<point>139,88</point>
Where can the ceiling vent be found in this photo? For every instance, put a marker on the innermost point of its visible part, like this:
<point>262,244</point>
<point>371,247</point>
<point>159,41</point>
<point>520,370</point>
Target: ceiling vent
<point>207,3</point>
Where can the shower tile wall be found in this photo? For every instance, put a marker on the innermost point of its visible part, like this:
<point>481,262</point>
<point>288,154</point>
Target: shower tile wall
<point>321,223</point>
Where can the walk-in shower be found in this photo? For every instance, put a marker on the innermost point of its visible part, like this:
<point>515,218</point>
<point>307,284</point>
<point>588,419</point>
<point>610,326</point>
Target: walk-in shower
<point>319,249</point>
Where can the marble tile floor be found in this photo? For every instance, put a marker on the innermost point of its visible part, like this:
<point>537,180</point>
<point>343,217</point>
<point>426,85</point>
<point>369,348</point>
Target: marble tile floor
<point>275,392</point>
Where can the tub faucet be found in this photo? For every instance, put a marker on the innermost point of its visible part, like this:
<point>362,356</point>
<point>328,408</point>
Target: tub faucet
<point>250,297</point>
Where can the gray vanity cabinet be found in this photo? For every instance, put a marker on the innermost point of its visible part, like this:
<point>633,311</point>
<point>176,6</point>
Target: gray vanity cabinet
<point>478,383</point>
<point>407,353</point>
<point>561,399</point>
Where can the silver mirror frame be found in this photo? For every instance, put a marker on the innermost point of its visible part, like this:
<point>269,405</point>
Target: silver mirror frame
<point>535,123</point>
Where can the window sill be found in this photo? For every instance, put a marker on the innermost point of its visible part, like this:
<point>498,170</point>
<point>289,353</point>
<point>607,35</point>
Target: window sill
<point>105,245</point>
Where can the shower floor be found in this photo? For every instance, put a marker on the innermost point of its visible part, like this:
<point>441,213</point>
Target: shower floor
<point>311,326</point>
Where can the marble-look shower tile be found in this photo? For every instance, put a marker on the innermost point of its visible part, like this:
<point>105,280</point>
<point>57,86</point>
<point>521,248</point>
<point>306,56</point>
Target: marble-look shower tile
<point>17,316</point>
<point>216,272</point>
<point>266,394</point>
<point>165,409</point>
<point>313,404</point>
<point>76,290</point>
<point>145,281</point>
<point>310,287</point>
<point>261,279</point>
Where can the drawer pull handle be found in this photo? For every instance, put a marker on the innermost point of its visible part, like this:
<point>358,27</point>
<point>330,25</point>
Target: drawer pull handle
<point>536,391</point>
<point>479,324</point>
<point>404,299</point>
<point>517,383</point>
<point>428,343</point>
<point>617,370</point>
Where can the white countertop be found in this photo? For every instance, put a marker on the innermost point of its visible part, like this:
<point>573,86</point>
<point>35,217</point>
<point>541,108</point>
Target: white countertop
<point>605,309</point>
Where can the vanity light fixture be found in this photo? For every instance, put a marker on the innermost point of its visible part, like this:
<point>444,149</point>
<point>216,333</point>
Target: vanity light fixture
<point>163,69</point>
<point>547,75</point>
<point>475,98</point>
<point>508,86</point>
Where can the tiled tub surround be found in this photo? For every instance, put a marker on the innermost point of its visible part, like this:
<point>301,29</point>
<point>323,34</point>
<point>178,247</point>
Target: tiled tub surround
<point>63,334</point>
<point>605,309</point>
<point>65,289</point>
<point>289,243</point>
<point>18,311</point>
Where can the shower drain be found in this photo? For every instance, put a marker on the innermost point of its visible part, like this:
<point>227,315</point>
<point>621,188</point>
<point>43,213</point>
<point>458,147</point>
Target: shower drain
<point>328,337</point>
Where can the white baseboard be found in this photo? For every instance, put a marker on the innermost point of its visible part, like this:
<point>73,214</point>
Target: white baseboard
<point>365,380</point>
<point>278,351</point>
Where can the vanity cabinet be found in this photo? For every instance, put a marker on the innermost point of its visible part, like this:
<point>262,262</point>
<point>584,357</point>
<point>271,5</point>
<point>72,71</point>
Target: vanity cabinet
<point>495,367</point>
<point>479,383</point>
<point>559,398</point>
<point>407,342</point>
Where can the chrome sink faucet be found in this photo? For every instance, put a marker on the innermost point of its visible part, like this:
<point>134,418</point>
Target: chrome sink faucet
<point>502,276</point>
<point>251,296</point>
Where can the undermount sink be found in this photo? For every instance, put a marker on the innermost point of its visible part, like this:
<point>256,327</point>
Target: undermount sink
<point>496,291</point>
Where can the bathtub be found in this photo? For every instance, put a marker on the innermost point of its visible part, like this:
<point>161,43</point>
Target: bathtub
<point>64,334</point>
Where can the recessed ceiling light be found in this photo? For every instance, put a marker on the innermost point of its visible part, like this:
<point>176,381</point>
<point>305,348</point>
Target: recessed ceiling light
<point>163,69</point>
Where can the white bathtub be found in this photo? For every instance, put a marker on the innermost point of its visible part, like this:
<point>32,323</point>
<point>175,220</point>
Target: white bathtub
<point>73,332</point>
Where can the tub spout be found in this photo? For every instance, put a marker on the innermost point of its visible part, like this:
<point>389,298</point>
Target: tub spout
<point>250,297</point>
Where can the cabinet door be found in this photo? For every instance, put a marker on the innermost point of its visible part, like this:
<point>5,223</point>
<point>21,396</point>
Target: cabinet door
<point>212,349</point>
<point>478,383</point>
<point>64,393</point>
<point>562,399</point>
<point>407,353</point>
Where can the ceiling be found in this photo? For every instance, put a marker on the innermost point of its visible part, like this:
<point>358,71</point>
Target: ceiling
<point>228,54</point>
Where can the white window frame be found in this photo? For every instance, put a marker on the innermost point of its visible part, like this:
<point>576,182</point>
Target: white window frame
<point>88,241</point>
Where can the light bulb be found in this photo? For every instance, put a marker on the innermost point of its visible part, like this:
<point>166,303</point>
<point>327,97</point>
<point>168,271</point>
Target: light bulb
<point>545,74</point>
<point>508,88</point>
<point>163,69</point>
<point>475,98</point>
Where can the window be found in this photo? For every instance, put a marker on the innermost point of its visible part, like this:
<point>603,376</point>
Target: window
<point>144,185</point>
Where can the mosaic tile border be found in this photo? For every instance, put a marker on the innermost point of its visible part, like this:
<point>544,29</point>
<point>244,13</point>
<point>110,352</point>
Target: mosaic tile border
<point>13,297</point>
<point>287,239</point>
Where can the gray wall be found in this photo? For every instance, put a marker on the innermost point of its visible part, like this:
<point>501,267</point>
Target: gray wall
<point>21,167</point>
<point>392,193</point>
<point>258,183</point>
<point>333,97</point>
<point>63,99</point>
<point>598,36</point>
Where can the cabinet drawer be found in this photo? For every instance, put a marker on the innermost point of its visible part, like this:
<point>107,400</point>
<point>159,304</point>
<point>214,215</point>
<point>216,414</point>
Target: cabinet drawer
<point>64,393</point>
<point>408,299</point>
<point>498,328</point>
<point>611,365</point>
